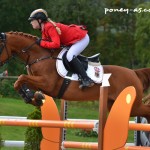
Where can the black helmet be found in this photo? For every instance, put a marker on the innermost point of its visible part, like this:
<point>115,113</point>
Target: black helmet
<point>38,14</point>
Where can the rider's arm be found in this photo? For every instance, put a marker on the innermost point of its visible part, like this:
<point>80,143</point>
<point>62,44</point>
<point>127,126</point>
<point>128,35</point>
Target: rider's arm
<point>53,40</point>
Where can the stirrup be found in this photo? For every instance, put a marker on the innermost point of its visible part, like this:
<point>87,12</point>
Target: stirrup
<point>84,85</point>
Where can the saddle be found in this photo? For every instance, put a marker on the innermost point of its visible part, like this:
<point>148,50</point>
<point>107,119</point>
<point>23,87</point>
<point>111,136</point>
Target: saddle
<point>91,64</point>
<point>84,61</point>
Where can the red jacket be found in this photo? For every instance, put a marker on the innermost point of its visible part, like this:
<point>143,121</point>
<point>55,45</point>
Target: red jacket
<point>70,34</point>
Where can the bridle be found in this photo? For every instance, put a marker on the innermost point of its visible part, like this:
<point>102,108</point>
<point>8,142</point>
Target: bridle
<point>3,45</point>
<point>3,40</point>
<point>22,51</point>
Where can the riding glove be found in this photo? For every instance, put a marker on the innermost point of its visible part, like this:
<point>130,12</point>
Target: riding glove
<point>38,41</point>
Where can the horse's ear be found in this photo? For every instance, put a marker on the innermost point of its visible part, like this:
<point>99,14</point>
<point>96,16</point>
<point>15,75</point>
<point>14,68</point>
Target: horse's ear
<point>2,36</point>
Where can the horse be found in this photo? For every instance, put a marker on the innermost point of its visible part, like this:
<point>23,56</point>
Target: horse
<point>42,74</point>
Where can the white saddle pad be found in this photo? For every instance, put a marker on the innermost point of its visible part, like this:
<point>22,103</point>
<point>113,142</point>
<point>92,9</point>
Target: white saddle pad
<point>94,70</point>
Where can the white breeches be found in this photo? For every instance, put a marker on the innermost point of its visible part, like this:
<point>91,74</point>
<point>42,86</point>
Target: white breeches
<point>78,47</point>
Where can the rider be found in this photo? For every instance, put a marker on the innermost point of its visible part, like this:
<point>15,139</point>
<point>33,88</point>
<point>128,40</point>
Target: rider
<point>56,34</point>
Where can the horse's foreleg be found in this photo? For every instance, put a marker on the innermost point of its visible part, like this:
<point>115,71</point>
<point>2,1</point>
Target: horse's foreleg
<point>22,86</point>
<point>34,82</point>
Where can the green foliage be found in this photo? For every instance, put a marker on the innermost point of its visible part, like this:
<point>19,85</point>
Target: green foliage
<point>86,133</point>
<point>117,47</point>
<point>142,35</point>
<point>116,37</point>
<point>84,12</point>
<point>16,16</point>
<point>33,136</point>
<point>7,89</point>
<point>120,21</point>
<point>7,85</point>
<point>81,12</point>
<point>0,140</point>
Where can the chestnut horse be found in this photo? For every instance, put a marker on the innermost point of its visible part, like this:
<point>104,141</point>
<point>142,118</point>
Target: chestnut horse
<point>42,74</point>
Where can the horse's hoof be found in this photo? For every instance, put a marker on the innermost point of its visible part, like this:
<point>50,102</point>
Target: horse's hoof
<point>38,98</point>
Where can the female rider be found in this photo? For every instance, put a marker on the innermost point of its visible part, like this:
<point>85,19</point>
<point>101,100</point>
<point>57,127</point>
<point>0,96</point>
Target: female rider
<point>56,34</point>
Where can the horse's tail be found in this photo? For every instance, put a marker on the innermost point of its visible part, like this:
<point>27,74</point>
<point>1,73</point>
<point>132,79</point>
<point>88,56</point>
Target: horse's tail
<point>144,76</point>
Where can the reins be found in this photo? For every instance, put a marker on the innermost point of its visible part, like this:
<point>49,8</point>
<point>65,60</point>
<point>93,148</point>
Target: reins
<point>25,50</point>
<point>28,47</point>
<point>42,58</point>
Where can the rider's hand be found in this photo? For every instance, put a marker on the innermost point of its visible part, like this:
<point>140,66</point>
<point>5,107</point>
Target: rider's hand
<point>38,41</point>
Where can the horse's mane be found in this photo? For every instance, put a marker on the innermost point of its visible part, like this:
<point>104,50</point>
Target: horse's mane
<point>23,34</point>
<point>31,37</point>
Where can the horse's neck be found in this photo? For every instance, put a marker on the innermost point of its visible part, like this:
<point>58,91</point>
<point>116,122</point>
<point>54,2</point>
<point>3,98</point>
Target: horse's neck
<point>23,46</point>
<point>18,42</point>
<point>21,41</point>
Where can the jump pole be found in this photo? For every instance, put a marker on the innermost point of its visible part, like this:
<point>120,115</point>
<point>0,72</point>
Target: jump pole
<point>8,77</point>
<point>139,127</point>
<point>47,123</point>
<point>79,145</point>
<point>4,75</point>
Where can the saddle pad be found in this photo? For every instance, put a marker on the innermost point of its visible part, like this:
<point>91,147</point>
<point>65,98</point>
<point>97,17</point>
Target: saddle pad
<point>94,71</point>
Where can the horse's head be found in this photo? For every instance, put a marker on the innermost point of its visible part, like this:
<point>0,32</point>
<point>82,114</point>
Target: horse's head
<point>15,43</point>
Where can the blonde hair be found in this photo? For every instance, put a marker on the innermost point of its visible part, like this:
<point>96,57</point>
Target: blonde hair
<point>48,19</point>
<point>57,28</point>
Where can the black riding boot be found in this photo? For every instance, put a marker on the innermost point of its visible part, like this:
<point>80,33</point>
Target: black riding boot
<point>86,81</point>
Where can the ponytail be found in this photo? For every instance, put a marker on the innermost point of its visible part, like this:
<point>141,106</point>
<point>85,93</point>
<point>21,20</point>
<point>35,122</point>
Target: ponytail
<point>57,28</point>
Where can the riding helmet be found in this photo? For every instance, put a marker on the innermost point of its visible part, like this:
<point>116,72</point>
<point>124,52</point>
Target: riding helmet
<point>38,14</point>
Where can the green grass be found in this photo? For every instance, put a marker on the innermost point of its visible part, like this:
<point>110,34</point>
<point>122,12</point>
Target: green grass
<point>13,107</point>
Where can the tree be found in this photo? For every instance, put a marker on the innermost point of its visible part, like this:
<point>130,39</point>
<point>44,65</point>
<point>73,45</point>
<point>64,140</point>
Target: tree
<point>81,12</point>
<point>142,36</point>
<point>14,17</point>
<point>116,36</point>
